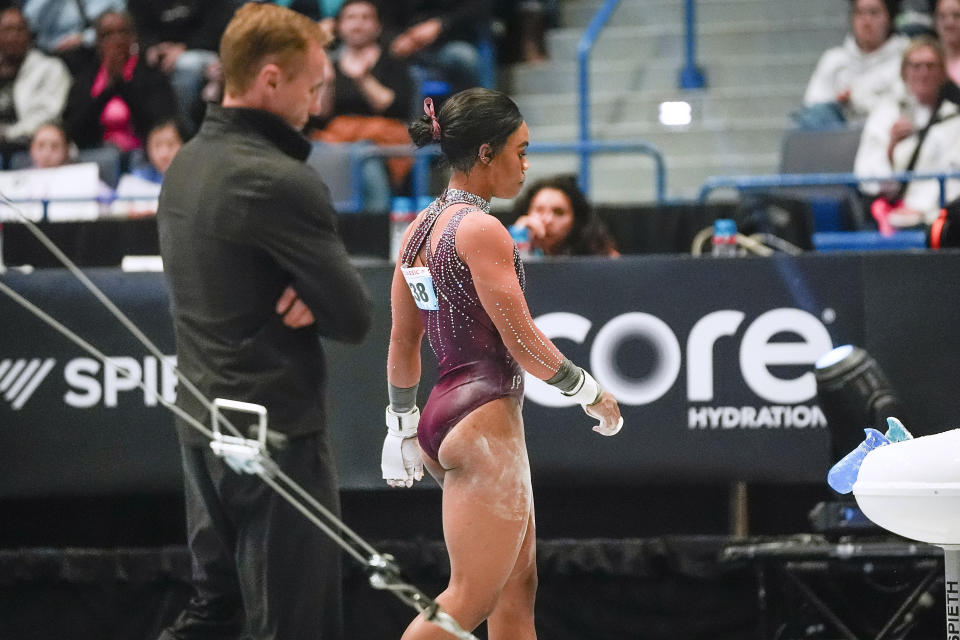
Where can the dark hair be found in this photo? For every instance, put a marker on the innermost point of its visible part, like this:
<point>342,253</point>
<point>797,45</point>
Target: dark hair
<point>374,3</point>
<point>892,7</point>
<point>171,121</point>
<point>123,15</point>
<point>469,119</point>
<point>588,236</point>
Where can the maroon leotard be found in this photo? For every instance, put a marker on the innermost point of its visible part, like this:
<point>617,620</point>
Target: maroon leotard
<point>475,366</point>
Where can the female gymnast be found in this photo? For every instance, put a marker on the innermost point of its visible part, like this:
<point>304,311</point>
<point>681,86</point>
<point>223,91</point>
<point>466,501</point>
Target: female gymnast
<point>459,279</point>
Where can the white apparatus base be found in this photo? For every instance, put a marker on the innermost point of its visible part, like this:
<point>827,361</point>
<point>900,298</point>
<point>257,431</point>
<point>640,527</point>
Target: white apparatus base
<point>912,488</point>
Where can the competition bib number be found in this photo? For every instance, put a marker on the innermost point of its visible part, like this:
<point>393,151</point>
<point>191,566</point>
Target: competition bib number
<point>421,286</point>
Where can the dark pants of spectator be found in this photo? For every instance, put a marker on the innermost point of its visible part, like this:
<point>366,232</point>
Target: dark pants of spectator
<point>260,567</point>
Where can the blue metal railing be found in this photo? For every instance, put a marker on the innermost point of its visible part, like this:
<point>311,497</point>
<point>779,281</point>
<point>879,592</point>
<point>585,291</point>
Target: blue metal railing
<point>818,180</point>
<point>421,165</point>
<point>588,148</point>
<point>587,40</point>
<point>691,77</point>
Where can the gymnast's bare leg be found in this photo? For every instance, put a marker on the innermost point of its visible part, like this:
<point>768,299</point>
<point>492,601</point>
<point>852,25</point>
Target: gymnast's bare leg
<point>464,288</point>
<point>488,525</point>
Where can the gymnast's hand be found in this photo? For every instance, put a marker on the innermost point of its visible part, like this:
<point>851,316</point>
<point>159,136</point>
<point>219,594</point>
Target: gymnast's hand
<point>296,314</point>
<point>607,411</point>
<point>401,462</point>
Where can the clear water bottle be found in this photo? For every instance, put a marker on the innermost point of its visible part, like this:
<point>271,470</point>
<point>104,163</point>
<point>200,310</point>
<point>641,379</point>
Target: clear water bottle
<point>401,215</point>
<point>724,238</point>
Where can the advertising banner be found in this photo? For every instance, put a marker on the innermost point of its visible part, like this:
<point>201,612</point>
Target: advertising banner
<point>712,361</point>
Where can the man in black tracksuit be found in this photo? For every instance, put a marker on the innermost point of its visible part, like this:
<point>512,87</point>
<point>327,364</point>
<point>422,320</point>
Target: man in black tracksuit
<point>257,274</point>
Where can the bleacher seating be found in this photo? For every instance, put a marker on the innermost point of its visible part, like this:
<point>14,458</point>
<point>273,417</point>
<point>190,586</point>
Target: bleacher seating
<point>835,207</point>
<point>336,165</point>
<point>757,56</point>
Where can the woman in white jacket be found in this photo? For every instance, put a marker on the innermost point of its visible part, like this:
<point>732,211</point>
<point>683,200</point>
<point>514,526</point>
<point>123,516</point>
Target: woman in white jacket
<point>850,79</point>
<point>917,132</point>
<point>37,83</point>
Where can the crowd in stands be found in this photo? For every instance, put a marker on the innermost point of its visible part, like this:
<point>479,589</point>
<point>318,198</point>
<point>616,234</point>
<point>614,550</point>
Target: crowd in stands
<point>895,76</point>
<point>106,72</point>
<point>916,132</point>
<point>109,71</point>
<point>849,79</point>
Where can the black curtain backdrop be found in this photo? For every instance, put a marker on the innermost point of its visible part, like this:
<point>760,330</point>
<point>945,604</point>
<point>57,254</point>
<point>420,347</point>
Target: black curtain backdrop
<point>598,589</point>
<point>664,588</point>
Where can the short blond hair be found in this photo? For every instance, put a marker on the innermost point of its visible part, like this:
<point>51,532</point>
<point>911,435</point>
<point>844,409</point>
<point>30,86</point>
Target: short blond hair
<point>259,34</point>
<point>924,42</point>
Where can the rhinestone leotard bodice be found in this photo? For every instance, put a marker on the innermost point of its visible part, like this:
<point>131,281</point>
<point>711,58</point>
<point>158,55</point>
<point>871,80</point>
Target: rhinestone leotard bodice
<point>475,366</point>
<point>460,329</point>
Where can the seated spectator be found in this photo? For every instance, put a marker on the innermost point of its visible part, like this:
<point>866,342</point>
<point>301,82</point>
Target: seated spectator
<point>117,98</point>
<point>65,27</point>
<point>50,171</point>
<point>49,147</point>
<point>560,221</point>
<point>138,190</point>
<point>850,79</point>
<point>440,37</point>
<point>180,38</point>
<point>163,142</point>
<point>947,20</point>
<point>371,99</point>
<point>522,28</point>
<point>919,133</point>
<point>33,85</point>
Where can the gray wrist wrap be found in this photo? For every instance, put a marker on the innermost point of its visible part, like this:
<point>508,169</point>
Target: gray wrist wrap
<point>402,400</point>
<point>567,376</point>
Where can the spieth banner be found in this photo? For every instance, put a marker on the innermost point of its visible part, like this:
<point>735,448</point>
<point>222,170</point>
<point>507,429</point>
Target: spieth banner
<point>711,360</point>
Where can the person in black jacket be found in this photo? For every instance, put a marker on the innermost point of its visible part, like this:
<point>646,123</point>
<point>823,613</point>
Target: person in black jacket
<point>116,98</point>
<point>439,37</point>
<point>180,38</point>
<point>257,274</point>
<point>371,101</point>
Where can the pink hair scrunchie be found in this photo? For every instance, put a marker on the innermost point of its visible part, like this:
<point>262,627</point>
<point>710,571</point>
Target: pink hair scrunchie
<point>428,109</point>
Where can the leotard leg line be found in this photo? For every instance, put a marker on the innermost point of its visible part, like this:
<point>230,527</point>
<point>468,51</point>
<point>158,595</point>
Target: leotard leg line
<point>459,392</point>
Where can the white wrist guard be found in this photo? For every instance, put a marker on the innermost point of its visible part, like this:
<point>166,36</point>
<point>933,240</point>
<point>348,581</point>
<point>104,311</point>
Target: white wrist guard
<point>586,392</point>
<point>403,424</point>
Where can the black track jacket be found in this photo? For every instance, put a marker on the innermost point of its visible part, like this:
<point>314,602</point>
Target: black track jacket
<point>241,216</point>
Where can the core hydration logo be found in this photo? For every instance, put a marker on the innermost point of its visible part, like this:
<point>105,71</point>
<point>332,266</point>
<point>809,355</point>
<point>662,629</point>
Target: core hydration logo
<point>20,378</point>
<point>783,400</point>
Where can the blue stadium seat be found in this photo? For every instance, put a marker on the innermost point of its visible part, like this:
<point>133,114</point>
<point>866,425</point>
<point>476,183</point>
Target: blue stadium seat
<point>340,171</point>
<point>868,240</point>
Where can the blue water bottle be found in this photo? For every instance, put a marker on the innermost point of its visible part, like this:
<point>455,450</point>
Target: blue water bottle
<point>521,237</point>
<point>401,215</point>
<point>724,238</point>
